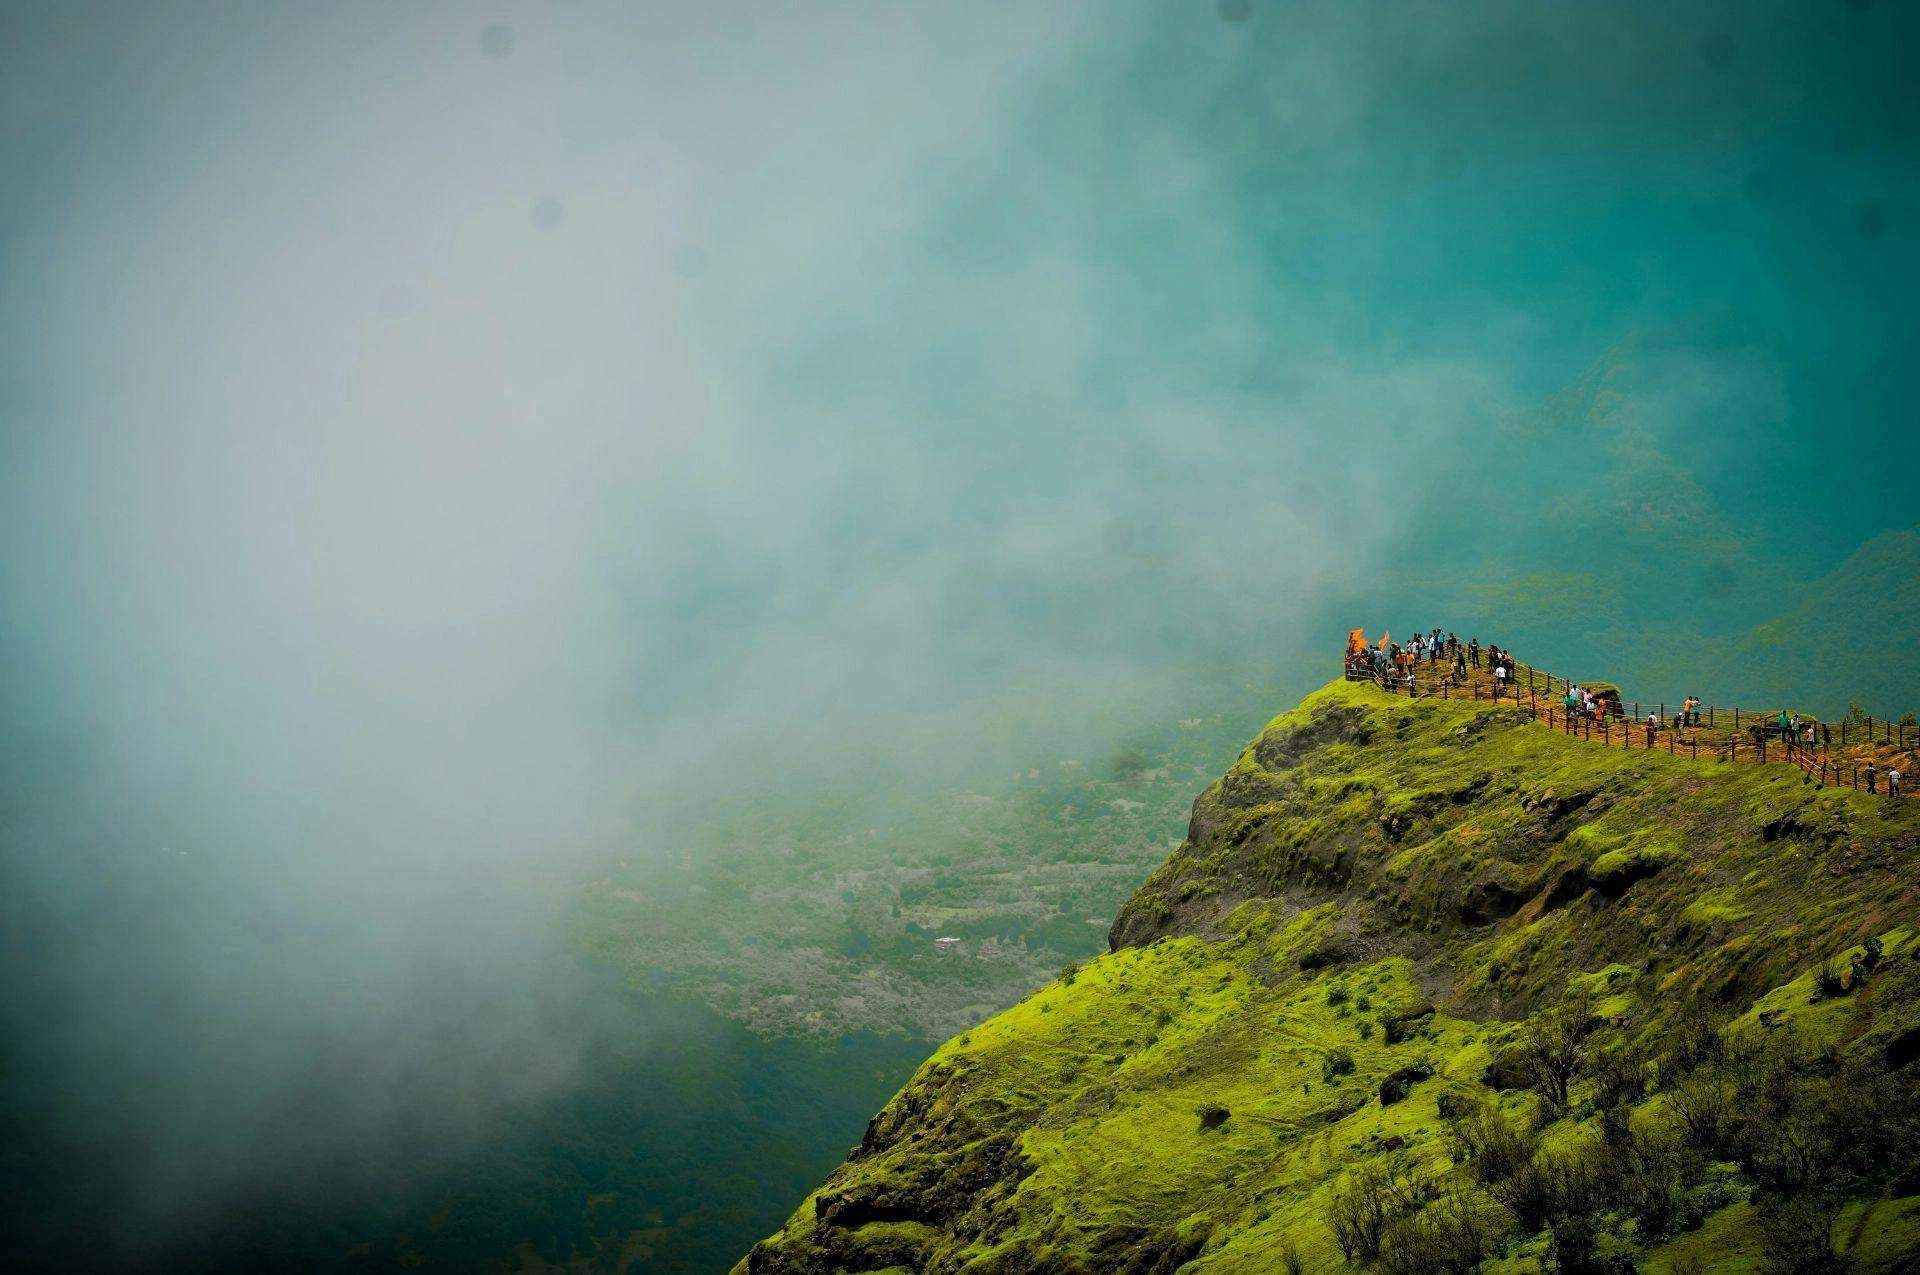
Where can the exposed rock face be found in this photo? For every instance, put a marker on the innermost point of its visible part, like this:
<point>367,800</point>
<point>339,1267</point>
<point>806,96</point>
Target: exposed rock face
<point>1382,916</point>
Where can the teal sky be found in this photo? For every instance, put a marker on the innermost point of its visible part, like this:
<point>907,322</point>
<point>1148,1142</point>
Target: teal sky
<point>737,361</point>
<point>436,439</point>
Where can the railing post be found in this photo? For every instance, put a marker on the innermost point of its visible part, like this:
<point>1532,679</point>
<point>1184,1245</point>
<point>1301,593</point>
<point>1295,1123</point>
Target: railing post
<point>1736,719</point>
<point>1709,717</point>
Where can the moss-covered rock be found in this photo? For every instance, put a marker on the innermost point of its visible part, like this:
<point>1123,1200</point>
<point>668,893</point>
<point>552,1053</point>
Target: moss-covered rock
<point>1378,919</point>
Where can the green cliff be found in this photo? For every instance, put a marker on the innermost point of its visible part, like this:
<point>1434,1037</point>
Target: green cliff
<point>1431,987</point>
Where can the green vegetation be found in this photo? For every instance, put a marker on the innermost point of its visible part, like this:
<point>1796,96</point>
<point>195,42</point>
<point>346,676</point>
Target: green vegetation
<point>1430,988</point>
<point>819,917</point>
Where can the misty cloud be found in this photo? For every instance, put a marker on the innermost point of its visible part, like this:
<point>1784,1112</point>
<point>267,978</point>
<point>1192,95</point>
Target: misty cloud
<point>434,454</point>
<point>496,39</point>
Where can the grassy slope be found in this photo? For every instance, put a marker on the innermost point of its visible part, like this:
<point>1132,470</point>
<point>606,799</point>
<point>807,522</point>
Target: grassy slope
<point>1405,855</point>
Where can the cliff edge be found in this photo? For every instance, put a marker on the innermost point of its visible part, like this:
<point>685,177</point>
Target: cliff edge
<point>1431,987</point>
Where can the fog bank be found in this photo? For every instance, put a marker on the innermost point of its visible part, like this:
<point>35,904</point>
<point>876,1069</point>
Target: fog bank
<point>439,444</point>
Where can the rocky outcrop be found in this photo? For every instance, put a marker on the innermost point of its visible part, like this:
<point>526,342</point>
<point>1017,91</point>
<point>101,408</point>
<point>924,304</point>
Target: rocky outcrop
<point>1381,917</point>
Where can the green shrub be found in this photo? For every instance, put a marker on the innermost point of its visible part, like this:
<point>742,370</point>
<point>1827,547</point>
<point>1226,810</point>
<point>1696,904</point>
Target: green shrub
<point>1695,1042</point>
<point>1619,1075</point>
<point>1807,1129</point>
<point>1527,1192</point>
<point>1373,1196</point>
<point>1451,1236</point>
<point>1796,1238</point>
<point>1401,1082</point>
<point>1573,1246</point>
<point>1651,1176</point>
<point>1338,1062</point>
<point>1549,1189</point>
<point>1704,1105</point>
<point>1803,1126</point>
<point>1867,961</point>
<point>1491,1146</point>
<point>1549,1053</point>
<point>1616,1125</point>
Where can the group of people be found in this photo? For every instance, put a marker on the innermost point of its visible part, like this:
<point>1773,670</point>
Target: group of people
<point>1812,736</point>
<point>1809,736</point>
<point>1396,665</point>
<point>1688,714</point>
<point>1871,774</point>
<point>1797,734</point>
<point>1500,660</point>
<point>1581,701</point>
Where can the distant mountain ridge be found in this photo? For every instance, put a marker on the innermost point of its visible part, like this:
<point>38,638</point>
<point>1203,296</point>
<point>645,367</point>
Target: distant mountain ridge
<point>1582,529</point>
<point>1859,626</point>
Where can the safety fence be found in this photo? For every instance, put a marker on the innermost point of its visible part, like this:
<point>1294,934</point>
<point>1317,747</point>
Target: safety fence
<point>1857,751</point>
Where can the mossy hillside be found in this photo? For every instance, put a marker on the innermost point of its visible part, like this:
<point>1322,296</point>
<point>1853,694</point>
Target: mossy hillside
<point>1087,1104</point>
<point>1347,948</point>
<point>1102,1084</point>
<point>1513,856</point>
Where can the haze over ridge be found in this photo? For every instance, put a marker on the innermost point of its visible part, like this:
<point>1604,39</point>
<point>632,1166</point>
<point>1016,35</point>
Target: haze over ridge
<point>435,459</point>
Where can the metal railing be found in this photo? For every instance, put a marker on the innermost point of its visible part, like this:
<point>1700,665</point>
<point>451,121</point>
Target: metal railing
<point>1846,753</point>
